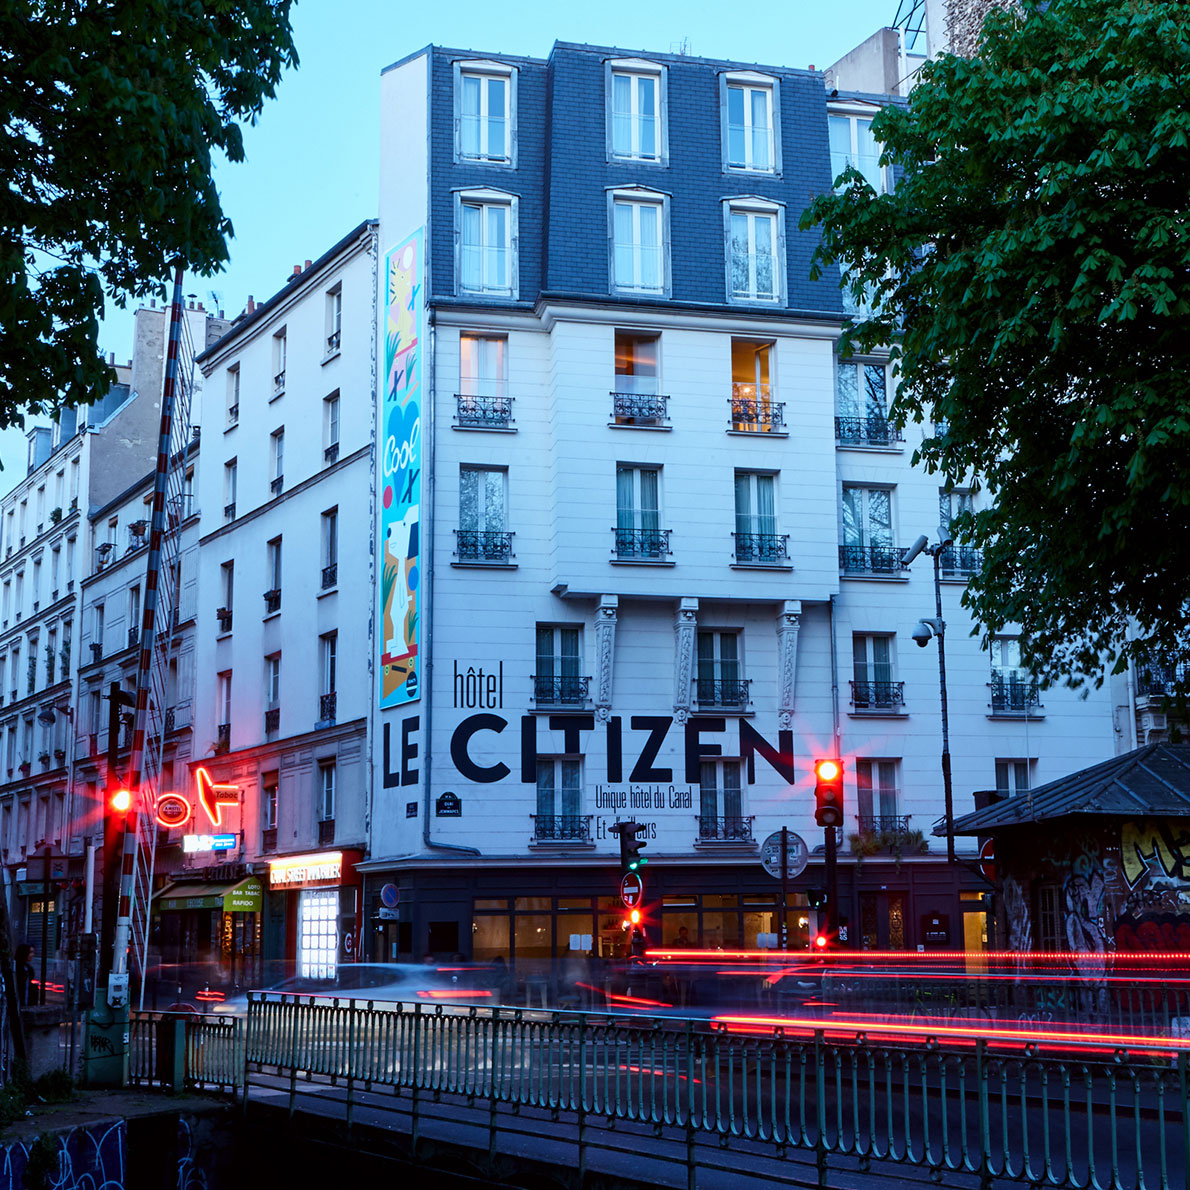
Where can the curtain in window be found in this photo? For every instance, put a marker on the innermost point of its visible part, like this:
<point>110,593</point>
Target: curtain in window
<point>863,788</point>
<point>625,500</point>
<point>481,366</point>
<point>545,786</point>
<point>887,775</point>
<point>622,115</point>
<point>650,246</point>
<point>545,653</point>
<point>650,513</point>
<point>840,141</point>
<point>495,121</point>
<point>766,507</point>
<point>646,89</point>
<point>729,661</point>
<point>740,272</point>
<point>736,151</point>
<point>496,263</point>
<point>708,794</point>
<point>624,244</point>
<point>571,791</point>
<point>732,804</point>
<point>760,129</point>
<point>481,500</point>
<point>470,259</point>
<point>568,642</point>
<point>868,154</point>
<point>469,128</point>
<point>763,231</point>
<point>743,503</point>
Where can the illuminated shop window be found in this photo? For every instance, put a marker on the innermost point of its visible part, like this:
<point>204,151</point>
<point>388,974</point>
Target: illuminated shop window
<point>318,933</point>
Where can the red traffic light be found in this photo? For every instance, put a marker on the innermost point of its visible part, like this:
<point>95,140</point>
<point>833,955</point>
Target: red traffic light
<point>820,941</point>
<point>828,792</point>
<point>121,801</point>
<point>827,770</point>
<point>634,917</point>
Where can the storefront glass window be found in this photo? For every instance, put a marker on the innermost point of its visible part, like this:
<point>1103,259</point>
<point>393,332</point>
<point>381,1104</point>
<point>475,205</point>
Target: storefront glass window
<point>572,930</point>
<point>318,933</point>
<point>489,938</point>
<point>679,929</point>
<point>491,903</point>
<point>534,904</point>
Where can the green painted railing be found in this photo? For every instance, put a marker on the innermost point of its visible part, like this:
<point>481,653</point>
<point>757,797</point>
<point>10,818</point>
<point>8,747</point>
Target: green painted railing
<point>1028,1111</point>
<point>213,1049</point>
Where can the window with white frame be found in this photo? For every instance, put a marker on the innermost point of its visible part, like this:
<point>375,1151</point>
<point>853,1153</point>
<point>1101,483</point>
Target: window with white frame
<point>719,681</point>
<point>485,112</point>
<point>867,530</point>
<point>852,143</point>
<point>233,394</point>
<point>280,351</point>
<point>750,137</point>
<point>487,234</point>
<point>636,110</point>
<point>483,365</point>
<point>720,798</point>
<point>98,625</point>
<point>334,318</point>
<point>230,482</point>
<point>277,458</point>
<point>326,790</point>
<point>272,681</point>
<point>638,513</point>
<point>557,678</point>
<point>873,660</point>
<point>1014,689</point>
<point>328,661</point>
<point>330,548</point>
<point>559,796</point>
<point>273,574</point>
<point>268,801</point>
<point>755,250</point>
<point>861,404</point>
<point>223,699</point>
<point>330,427</point>
<point>876,794</point>
<point>483,496</point>
<point>756,535</point>
<point>640,241</point>
<point>1013,777</point>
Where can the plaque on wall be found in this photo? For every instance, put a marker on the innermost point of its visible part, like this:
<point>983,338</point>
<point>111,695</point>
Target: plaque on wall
<point>448,806</point>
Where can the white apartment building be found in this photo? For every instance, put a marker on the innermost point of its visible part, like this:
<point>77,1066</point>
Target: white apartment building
<point>282,696</point>
<point>641,530</point>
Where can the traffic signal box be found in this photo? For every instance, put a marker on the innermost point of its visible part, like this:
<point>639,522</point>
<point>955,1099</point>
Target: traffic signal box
<point>828,792</point>
<point>631,859</point>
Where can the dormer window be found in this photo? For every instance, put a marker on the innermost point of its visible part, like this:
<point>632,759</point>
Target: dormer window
<point>485,112</point>
<point>750,104</point>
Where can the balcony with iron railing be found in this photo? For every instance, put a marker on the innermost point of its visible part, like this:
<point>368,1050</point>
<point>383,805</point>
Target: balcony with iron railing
<point>272,601</point>
<point>722,693</point>
<point>549,691</point>
<point>224,616</point>
<point>641,545</point>
<point>133,636</point>
<point>223,737</point>
<point>1158,681</point>
<point>753,413</point>
<point>327,707</point>
<point>761,549</point>
<point>562,828</point>
<point>878,696</point>
<point>717,828</point>
<point>881,561</point>
<point>326,832</point>
<point>279,383</point>
<point>889,824</point>
<point>330,576</point>
<point>233,414</point>
<point>332,342</point>
<point>276,484</point>
<point>268,839</point>
<point>959,562</point>
<point>483,546</point>
<point>272,720</point>
<point>866,431</point>
<point>643,410</point>
<point>331,454</point>
<point>474,412</point>
<point>229,511</point>
<point>1014,694</point>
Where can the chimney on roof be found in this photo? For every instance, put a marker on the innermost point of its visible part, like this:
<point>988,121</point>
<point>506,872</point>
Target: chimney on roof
<point>251,307</point>
<point>812,67</point>
<point>306,265</point>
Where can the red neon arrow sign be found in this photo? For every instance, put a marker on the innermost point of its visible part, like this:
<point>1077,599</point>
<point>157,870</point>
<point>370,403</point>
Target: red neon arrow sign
<point>213,797</point>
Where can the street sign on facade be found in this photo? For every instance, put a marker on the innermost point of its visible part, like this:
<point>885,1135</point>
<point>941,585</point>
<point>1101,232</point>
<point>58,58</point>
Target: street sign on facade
<point>796,858</point>
<point>632,889</point>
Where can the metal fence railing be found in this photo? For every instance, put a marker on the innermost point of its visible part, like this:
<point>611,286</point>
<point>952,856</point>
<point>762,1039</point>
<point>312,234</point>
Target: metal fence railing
<point>213,1049</point>
<point>1054,1110</point>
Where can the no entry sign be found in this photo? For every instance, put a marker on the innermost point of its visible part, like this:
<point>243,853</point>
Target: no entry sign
<point>632,889</point>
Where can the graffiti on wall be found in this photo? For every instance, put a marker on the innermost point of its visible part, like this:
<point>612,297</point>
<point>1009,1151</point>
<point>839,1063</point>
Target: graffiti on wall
<point>81,1159</point>
<point>400,502</point>
<point>1155,850</point>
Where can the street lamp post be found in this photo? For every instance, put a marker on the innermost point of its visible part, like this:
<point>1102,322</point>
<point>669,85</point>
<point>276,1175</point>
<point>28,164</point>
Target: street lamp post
<point>936,628</point>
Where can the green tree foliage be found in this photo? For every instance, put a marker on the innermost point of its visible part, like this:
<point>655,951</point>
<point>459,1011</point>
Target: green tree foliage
<point>1032,274</point>
<point>111,112</point>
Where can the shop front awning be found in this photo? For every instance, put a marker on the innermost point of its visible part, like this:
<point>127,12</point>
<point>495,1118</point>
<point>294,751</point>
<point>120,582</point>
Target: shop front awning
<point>236,896</point>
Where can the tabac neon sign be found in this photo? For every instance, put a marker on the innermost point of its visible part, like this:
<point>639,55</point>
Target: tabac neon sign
<point>214,797</point>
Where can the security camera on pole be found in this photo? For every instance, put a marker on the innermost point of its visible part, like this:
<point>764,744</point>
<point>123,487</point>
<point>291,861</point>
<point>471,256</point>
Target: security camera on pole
<point>934,627</point>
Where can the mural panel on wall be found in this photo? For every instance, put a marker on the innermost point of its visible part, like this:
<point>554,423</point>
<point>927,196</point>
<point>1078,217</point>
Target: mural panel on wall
<point>400,496</point>
<point>1155,867</point>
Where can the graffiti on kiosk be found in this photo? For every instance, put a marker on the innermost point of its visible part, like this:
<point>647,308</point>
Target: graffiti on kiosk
<point>1155,848</point>
<point>400,512</point>
<point>633,754</point>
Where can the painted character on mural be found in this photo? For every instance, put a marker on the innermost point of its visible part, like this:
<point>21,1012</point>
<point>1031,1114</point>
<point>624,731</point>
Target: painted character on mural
<point>1018,918</point>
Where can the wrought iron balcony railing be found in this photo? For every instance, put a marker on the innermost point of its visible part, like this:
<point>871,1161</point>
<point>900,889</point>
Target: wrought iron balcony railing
<point>171,716</point>
<point>641,545</point>
<point>331,453</point>
<point>1013,694</point>
<point>223,736</point>
<point>332,341</point>
<point>268,839</point>
<point>229,511</point>
<point>272,720</point>
<point>1158,681</point>
<point>891,824</point>
<point>877,696</point>
<point>330,576</point>
<point>559,692</point>
<point>562,828</point>
<point>761,547</point>
<point>233,414</point>
<point>719,829</point>
<point>483,413</point>
<point>959,561</point>
<point>639,409</point>
<point>757,415</point>
<point>133,636</point>
<point>224,615</point>
<point>866,431</point>
<point>327,705</point>
<point>272,601</point>
<point>871,559</point>
<point>96,655</point>
<point>326,831</point>
<point>722,692</point>
<point>277,484</point>
<point>482,545</point>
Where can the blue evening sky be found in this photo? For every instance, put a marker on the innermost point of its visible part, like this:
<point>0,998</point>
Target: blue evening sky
<point>311,170</point>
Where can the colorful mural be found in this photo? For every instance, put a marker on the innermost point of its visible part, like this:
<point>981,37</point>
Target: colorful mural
<point>400,502</point>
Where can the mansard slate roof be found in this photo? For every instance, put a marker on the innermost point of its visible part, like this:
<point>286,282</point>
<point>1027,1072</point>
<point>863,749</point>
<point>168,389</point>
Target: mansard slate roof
<point>1153,781</point>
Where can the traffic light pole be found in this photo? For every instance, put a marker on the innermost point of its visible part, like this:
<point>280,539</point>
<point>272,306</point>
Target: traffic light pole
<point>113,839</point>
<point>784,887</point>
<point>832,887</point>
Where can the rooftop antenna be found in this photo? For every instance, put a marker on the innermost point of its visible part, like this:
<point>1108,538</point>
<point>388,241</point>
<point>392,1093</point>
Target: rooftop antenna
<point>680,47</point>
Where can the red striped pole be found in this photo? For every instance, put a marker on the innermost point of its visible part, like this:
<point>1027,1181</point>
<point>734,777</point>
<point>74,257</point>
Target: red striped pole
<point>147,635</point>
